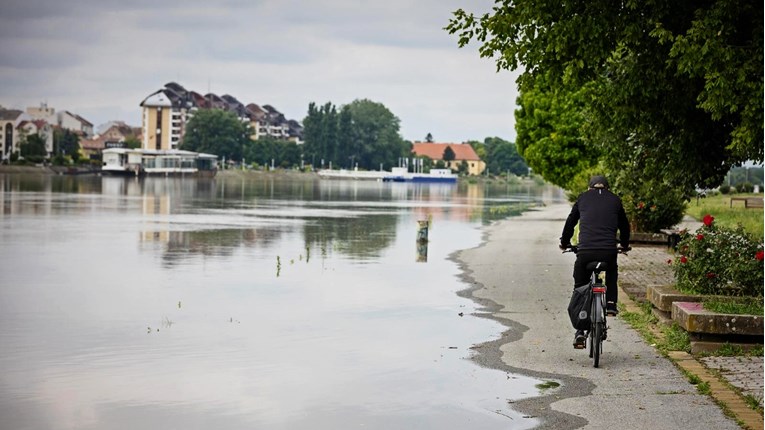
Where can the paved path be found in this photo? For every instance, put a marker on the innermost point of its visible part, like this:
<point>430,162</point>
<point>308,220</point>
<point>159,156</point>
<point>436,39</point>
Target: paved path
<point>523,281</point>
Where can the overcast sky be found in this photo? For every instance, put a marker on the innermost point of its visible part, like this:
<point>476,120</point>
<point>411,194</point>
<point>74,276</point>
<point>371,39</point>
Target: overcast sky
<point>101,58</point>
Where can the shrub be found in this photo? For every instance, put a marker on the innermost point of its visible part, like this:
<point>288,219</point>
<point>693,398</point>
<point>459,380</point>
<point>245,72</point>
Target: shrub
<point>720,261</point>
<point>725,189</point>
<point>746,187</point>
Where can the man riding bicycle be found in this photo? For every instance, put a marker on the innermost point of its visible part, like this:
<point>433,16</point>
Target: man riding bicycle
<point>600,214</point>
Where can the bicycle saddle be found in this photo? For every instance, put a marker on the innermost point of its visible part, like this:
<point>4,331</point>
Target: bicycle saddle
<point>600,266</point>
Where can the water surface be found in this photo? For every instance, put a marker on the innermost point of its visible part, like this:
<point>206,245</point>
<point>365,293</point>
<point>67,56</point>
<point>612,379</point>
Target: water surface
<point>245,302</point>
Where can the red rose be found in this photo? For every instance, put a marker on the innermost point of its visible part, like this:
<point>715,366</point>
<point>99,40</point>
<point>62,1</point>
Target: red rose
<point>699,237</point>
<point>708,220</point>
<point>759,256</point>
<point>683,259</point>
<point>711,275</point>
<point>641,205</point>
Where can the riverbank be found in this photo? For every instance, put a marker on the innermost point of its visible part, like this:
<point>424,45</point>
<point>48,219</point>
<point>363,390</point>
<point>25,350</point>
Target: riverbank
<point>521,280</point>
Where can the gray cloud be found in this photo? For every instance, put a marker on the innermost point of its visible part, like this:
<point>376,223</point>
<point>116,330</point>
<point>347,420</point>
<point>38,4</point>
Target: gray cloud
<point>102,57</point>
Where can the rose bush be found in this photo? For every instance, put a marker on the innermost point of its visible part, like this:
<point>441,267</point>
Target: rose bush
<point>720,261</point>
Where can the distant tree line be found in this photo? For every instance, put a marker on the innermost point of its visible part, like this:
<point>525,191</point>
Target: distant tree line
<point>363,134</point>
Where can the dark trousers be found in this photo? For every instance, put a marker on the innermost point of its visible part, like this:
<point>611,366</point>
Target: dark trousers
<point>582,275</point>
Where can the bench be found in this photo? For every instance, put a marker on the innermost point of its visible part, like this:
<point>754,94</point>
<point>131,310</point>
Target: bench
<point>749,202</point>
<point>673,237</point>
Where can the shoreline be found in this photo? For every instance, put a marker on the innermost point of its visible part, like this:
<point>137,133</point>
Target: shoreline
<point>489,354</point>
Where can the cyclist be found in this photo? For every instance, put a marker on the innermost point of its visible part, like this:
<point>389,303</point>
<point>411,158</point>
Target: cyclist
<point>600,214</point>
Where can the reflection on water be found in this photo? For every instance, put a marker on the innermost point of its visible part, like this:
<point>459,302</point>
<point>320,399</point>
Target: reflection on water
<point>255,302</point>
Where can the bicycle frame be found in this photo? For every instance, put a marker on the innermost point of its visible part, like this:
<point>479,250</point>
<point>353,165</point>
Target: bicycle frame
<point>598,325</point>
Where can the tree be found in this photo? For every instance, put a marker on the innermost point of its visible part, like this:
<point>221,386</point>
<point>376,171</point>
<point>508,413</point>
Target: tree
<point>363,133</point>
<point>674,88</point>
<point>549,125</point>
<point>33,148</point>
<point>283,153</point>
<point>429,138</point>
<point>132,142</point>
<point>502,156</point>
<point>217,132</point>
<point>449,154</point>
<point>376,135</point>
<point>66,142</point>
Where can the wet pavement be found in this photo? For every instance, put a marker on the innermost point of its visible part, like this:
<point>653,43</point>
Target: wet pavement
<point>523,281</point>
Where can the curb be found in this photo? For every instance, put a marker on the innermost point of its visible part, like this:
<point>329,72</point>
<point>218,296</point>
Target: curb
<point>721,393</point>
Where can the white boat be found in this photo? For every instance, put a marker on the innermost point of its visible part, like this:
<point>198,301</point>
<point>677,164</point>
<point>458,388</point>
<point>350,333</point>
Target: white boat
<point>138,162</point>
<point>400,174</point>
<point>353,174</point>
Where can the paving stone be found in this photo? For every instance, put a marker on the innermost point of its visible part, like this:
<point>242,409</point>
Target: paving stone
<point>648,265</point>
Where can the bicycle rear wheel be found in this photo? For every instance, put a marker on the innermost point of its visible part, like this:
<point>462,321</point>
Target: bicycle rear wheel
<point>596,329</point>
<point>597,343</point>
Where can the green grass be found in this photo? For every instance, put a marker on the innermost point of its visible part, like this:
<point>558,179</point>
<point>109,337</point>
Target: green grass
<point>548,384</point>
<point>735,305</point>
<point>719,207</point>
<point>753,402</point>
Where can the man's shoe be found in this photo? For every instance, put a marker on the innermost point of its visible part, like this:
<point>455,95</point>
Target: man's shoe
<point>579,339</point>
<point>611,309</point>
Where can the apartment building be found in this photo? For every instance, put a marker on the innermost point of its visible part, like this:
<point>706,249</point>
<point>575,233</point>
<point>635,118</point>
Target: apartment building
<point>64,119</point>
<point>166,112</point>
<point>10,119</point>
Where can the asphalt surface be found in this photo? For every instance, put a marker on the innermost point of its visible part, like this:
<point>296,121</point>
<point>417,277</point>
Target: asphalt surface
<point>522,280</point>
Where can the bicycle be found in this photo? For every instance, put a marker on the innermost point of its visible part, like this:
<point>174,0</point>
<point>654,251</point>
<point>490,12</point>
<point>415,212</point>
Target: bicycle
<point>598,325</point>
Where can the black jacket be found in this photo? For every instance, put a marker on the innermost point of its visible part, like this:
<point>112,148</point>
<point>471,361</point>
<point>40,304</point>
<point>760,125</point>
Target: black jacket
<point>600,214</point>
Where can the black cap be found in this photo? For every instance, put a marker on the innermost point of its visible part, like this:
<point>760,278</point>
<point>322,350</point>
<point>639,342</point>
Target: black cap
<point>598,182</point>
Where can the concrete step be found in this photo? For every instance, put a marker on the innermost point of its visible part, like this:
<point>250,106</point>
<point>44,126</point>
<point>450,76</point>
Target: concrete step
<point>695,319</point>
<point>662,297</point>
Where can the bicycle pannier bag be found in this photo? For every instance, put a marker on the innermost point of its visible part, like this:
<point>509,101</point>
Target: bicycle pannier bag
<point>579,307</point>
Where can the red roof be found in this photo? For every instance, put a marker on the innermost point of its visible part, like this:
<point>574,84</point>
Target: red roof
<point>435,151</point>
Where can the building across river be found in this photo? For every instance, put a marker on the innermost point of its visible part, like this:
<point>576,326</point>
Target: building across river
<point>172,162</point>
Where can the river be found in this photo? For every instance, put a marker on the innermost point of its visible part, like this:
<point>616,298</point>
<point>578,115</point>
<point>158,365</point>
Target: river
<point>247,301</point>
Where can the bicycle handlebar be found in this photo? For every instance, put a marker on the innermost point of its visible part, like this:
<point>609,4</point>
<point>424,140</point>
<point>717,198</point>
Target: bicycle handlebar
<point>575,249</point>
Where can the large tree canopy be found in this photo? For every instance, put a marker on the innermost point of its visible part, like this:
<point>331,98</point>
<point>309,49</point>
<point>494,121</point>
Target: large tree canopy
<point>363,133</point>
<point>218,132</point>
<point>674,89</point>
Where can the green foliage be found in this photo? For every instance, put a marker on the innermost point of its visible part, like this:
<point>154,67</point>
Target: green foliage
<point>363,133</point>
<point>549,123</point>
<point>66,142</point>
<point>725,189</point>
<point>740,175</point>
<point>650,203</point>
<point>746,187</point>
<point>283,153</point>
<point>673,88</point>
<point>132,142</point>
<point>448,154</point>
<point>719,260</point>
<point>219,132</point>
<point>33,147</point>
<point>501,156</point>
<point>735,305</point>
